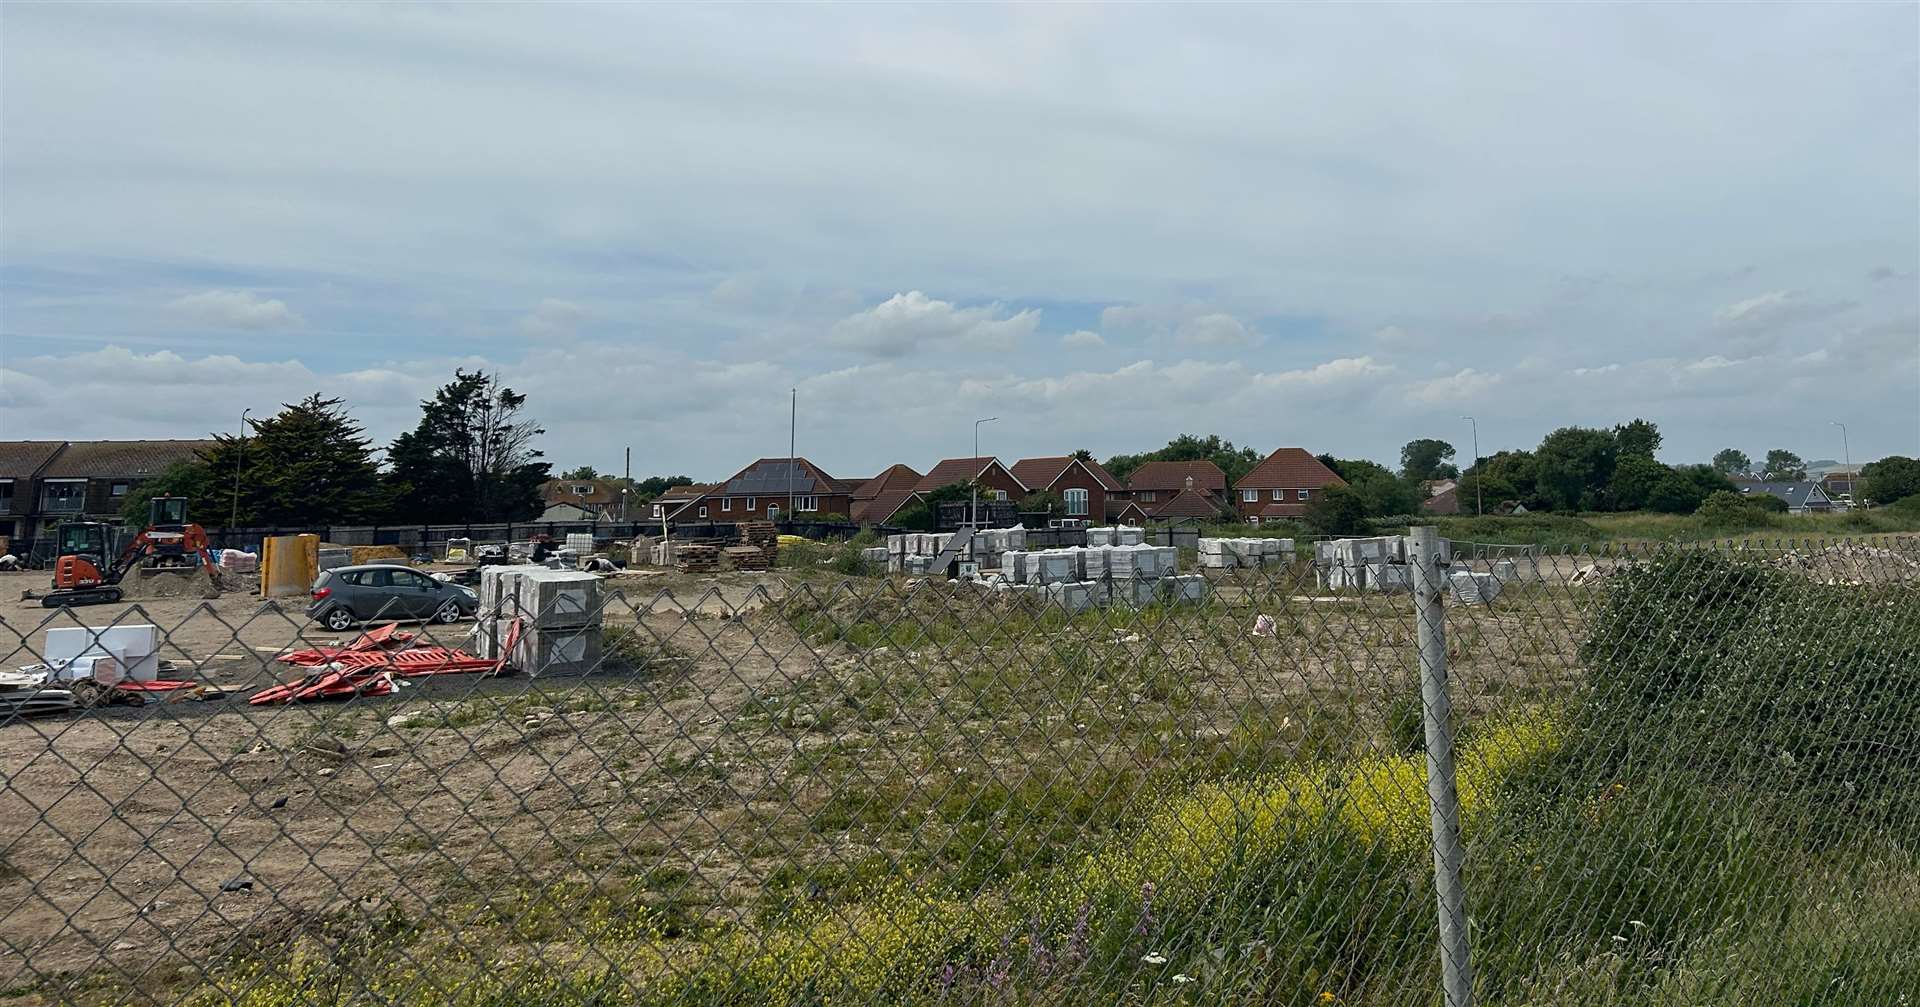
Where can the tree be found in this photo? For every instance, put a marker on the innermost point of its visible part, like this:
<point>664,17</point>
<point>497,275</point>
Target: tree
<point>1784,466</point>
<point>582,472</point>
<point>1083,454</point>
<point>471,458</point>
<point>1427,458</point>
<point>1732,462</point>
<point>1379,490</point>
<point>307,465</point>
<point>1674,493</point>
<point>1634,478</point>
<point>193,480</point>
<point>1043,502</point>
<point>1892,478</point>
<point>1235,462</point>
<point>1336,510</point>
<point>652,486</point>
<point>1575,465</point>
<point>1639,437</point>
<point>1506,475</point>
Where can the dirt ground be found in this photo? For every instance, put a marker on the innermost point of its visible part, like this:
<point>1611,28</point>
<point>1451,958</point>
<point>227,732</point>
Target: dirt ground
<point>147,838</point>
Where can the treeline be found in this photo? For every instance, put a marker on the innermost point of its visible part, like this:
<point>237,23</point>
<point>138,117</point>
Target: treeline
<point>471,458</point>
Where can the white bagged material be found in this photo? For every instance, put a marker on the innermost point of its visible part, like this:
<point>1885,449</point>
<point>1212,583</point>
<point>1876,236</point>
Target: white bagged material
<point>1052,566</point>
<point>1099,537</point>
<point>579,542</point>
<point>1070,596</point>
<point>239,562</point>
<point>1129,535</point>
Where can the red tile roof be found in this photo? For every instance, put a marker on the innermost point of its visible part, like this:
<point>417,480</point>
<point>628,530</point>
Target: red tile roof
<point>879,509</point>
<point>896,479</point>
<point>1189,503</point>
<point>1041,473</point>
<point>1173,476</point>
<point>956,470</point>
<point>1289,468</point>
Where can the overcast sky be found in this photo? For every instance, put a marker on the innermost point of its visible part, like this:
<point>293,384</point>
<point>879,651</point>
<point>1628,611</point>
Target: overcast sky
<point>1333,227</point>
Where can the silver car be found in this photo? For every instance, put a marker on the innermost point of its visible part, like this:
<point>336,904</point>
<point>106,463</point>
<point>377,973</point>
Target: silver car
<point>349,594</point>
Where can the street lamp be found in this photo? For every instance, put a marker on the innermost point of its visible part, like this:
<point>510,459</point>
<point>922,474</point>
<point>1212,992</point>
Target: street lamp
<point>1853,478</point>
<point>1477,508</point>
<point>975,518</point>
<point>233,520</point>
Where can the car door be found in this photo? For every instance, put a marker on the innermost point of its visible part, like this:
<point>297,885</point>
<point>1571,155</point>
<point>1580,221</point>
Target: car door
<point>416,593</point>
<point>381,597</point>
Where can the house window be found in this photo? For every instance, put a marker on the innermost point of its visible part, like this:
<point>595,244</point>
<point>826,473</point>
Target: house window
<point>1076,502</point>
<point>1249,496</point>
<point>118,489</point>
<point>806,504</point>
<point>750,502</point>
<point>581,491</point>
<point>703,510</point>
<point>1279,494</point>
<point>656,510</point>
<point>1147,497</point>
<point>65,496</point>
<point>1304,494</point>
<point>726,503</point>
<point>1000,495</point>
<point>1253,519</point>
<point>6,495</point>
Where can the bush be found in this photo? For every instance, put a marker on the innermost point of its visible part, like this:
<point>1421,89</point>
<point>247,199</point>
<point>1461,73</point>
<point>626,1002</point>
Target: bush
<point>1726,509</point>
<point>1735,674</point>
<point>1766,502</point>
<point>1336,510</point>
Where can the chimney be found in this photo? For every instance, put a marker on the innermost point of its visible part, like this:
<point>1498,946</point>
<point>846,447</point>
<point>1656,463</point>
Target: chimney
<point>1189,482</point>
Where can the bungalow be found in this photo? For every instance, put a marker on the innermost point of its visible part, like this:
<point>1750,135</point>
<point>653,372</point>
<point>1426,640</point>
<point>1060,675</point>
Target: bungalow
<point>1442,496</point>
<point>1081,484</point>
<point>671,504</point>
<point>599,498</point>
<point>877,500</point>
<point>1282,485</point>
<point>764,491</point>
<point>1802,497</point>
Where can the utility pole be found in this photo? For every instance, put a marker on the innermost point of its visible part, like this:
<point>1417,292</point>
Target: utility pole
<point>973,518</point>
<point>1853,478</point>
<point>626,485</point>
<point>793,438</point>
<point>233,520</point>
<point>1478,508</point>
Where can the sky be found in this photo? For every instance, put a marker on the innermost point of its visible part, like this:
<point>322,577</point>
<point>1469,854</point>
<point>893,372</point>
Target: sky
<point>1336,227</point>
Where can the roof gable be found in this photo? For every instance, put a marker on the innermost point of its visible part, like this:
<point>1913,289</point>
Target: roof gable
<point>1173,476</point>
<point>1290,468</point>
<point>1189,503</point>
<point>896,479</point>
<point>777,477</point>
<point>1042,473</point>
<point>960,470</point>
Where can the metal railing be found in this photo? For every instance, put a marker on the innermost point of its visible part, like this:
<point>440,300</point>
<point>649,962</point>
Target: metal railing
<point>1411,775</point>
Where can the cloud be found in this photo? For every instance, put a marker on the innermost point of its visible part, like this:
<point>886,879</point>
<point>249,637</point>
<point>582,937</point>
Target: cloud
<point>553,319</point>
<point>1083,339</point>
<point>235,309</point>
<point>1394,335</point>
<point>1459,388</point>
<point>907,323</point>
<point>1217,330</point>
<point>1773,310</point>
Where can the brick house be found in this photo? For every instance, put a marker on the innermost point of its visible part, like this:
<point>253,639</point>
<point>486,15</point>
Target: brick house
<point>996,480</point>
<point>1156,484</point>
<point>877,500</point>
<point>43,483</point>
<point>598,497</point>
<point>1281,486</point>
<point>671,502</point>
<point>763,490</point>
<point>1082,485</point>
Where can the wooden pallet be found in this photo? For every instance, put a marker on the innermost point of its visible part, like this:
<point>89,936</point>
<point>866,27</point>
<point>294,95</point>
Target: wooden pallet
<point>759,533</point>
<point>747,557</point>
<point>697,558</point>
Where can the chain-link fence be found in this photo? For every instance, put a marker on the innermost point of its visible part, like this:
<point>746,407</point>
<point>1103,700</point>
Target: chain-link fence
<point>1680,776</point>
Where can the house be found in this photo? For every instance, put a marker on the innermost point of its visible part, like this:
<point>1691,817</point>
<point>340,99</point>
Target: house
<point>1841,485</point>
<point>675,500</point>
<point>770,489</point>
<point>43,483</point>
<point>1155,486</point>
<point>1282,485</point>
<point>600,498</point>
<point>1803,497</point>
<point>567,513</point>
<point>1082,485</point>
<point>1442,496</point>
<point>996,481</point>
<point>877,500</point>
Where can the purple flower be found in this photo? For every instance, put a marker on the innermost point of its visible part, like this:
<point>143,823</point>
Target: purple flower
<point>1077,940</point>
<point>1145,925</point>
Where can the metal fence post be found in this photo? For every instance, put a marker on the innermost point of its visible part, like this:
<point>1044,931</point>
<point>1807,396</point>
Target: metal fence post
<point>1425,553</point>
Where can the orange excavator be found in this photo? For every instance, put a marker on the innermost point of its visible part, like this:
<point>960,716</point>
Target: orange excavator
<point>82,574</point>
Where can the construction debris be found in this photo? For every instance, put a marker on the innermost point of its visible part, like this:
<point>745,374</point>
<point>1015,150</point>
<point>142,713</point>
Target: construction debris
<point>1853,564</point>
<point>27,692</point>
<point>697,557</point>
<point>746,557</point>
<point>372,665</point>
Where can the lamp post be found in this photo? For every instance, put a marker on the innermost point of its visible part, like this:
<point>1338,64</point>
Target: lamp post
<point>1853,478</point>
<point>974,517</point>
<point>1477,507</point>
<point>233,520</point>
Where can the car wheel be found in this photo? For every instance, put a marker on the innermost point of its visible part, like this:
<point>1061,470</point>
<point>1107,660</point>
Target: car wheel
<point>450,612</point>
<point>337,619</point>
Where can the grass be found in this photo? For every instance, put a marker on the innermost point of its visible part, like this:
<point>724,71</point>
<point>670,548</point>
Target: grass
<point>946,798</point>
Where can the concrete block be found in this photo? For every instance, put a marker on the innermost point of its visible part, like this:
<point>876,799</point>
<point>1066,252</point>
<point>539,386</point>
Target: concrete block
<point>1389,577</point>
<point>558,651</point>
<point>1470,588</point>
<point>1070,596</point>
<point>1185,589</point>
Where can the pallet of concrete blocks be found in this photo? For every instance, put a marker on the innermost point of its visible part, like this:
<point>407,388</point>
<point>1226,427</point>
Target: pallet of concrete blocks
<point>1139,562</point>
<point>1100,537</point>
<point>876,555</point>
<point>556,598</point>
<point>1276,551</point>
<point>1014,566</point>
<point>1471,588</point>
<point>697,558</point>
<point>1051,566</point>
<point>1096,562</point>
<point>666,553</point>
<point>1101,593</point>
<point>1136,593</point>
<point>1070,596</point>
<point>580,542</point>
<point>916,566</point>
<point>1215,554</point>
<point>1184,589</point>
<point>1505,571</point>
<point>1389,577</point>
<point>1169,561</point>
<point>558,651</point>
